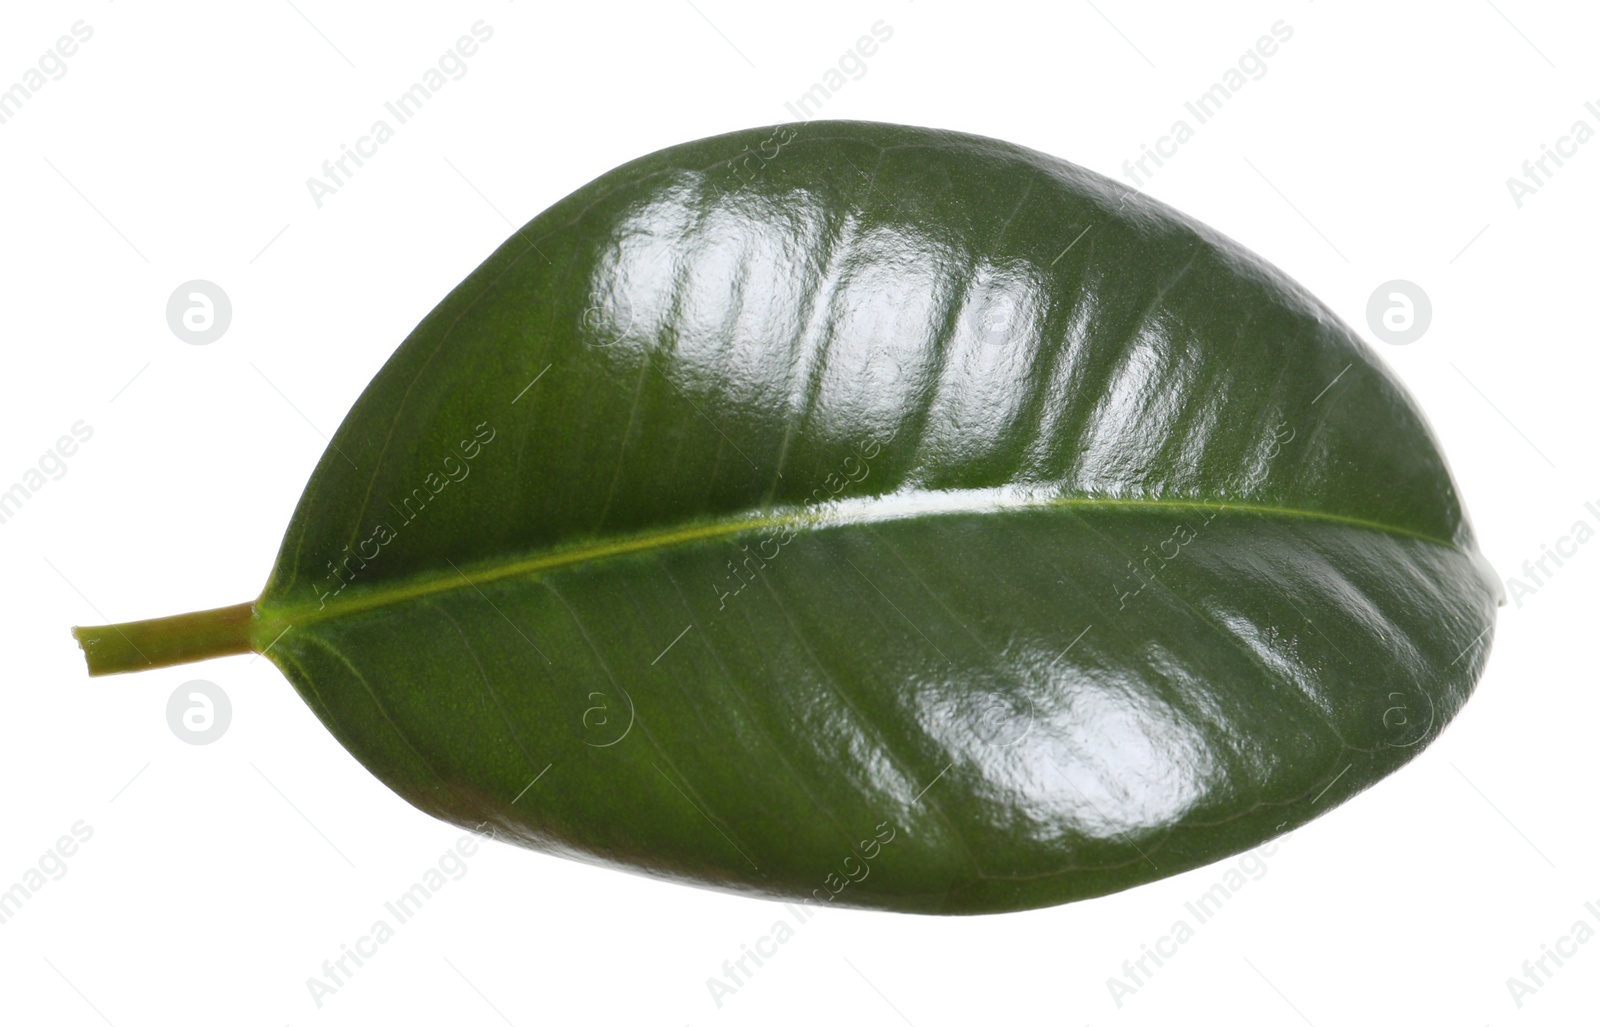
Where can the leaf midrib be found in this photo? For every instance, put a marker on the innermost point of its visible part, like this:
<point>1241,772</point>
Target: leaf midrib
<point>813,517</point>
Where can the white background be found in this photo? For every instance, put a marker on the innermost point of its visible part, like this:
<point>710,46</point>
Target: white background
<point>1377,146</point>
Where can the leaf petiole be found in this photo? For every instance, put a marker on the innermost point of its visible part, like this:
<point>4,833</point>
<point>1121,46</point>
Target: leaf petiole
<point>167,641</point>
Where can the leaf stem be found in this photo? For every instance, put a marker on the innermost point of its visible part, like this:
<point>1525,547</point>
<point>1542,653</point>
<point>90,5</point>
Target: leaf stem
<point>167,641</point>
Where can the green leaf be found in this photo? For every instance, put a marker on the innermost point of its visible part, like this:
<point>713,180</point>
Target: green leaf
<point>878,516</point>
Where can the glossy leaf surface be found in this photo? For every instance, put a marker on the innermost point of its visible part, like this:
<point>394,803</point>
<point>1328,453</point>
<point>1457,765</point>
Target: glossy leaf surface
<point>885,517</point>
